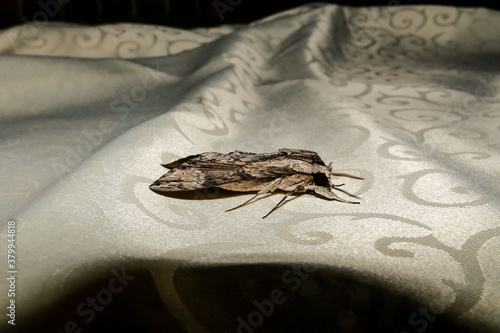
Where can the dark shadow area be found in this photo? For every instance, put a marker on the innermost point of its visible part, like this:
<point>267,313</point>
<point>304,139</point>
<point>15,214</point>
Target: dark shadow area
<point>279,298</point>
<point>252,298</point>
<point>203,194</point>
<point>176,13</point>
<point>136,307</point>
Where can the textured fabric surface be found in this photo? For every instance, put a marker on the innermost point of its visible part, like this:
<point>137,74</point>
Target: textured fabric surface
<point>406,97</point>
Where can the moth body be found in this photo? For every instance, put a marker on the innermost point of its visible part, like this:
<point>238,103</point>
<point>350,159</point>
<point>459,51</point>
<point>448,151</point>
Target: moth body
<point>289,170</point>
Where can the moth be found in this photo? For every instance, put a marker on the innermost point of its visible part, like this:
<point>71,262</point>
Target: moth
<point>289,170</point>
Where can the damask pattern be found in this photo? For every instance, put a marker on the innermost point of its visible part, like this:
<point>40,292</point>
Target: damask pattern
<point>405,96</point>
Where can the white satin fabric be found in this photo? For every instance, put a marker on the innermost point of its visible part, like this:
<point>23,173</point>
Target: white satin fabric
<point>407,97</point>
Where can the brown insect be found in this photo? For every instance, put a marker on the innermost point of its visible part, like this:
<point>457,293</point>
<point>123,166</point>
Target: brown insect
<point>289,170</point>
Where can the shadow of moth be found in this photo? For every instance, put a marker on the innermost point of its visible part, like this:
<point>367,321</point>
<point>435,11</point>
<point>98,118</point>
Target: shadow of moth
<point>289,170</point>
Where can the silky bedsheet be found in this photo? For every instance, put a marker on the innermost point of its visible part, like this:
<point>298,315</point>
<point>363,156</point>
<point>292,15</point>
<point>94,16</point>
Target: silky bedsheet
<point>405,96</point>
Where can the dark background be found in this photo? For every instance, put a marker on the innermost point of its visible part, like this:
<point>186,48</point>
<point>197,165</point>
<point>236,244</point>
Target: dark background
<point>176,13</point>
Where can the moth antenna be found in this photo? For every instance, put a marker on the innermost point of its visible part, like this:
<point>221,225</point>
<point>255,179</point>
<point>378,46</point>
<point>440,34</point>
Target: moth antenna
<point>341,174</point>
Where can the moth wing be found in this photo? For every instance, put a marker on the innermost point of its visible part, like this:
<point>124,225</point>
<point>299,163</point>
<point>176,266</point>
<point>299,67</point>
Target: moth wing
<point>203,171</point>
<point>190,160</point>
<point>178,162</point>
<point>180,179</point>
<point>212,159</point>
<point>303,155</point>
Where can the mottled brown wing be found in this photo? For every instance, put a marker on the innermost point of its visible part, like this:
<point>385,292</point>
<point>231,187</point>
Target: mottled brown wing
<point>212,159</point>
<point>303,155</point>
<point>215,169</point>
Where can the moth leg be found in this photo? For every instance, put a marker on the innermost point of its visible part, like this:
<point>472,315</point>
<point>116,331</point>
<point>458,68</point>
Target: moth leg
<point>243,204</point>
<point>300,185</point>
<point>327,193</point>
<point>269,188</point>
<point>276,207</point>
<point>344,191</point>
